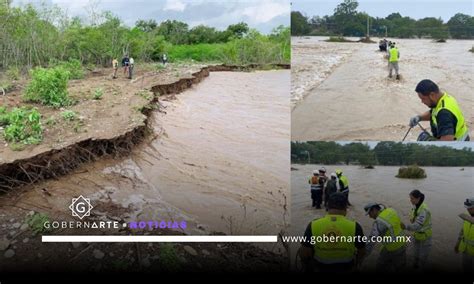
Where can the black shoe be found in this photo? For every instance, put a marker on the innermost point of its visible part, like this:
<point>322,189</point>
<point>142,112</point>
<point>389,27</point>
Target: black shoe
<point>389,76</point>
<point>398,77</point>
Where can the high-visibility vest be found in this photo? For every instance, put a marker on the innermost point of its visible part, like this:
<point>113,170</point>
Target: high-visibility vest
<point>393,54</point>
<point>449,103</point>
<point>314,181</point>
<point>467,241</point>
<point>345,183</point>
<point>334,252</point>
<point>390,219</point>
<point>425,231</point>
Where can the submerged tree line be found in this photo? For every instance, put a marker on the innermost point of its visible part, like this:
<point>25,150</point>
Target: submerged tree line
<point>384,153</point>
<point>36,36</point>
<point>347,21</point>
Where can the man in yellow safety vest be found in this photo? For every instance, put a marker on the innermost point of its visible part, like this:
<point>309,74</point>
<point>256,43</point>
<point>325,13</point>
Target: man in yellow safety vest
<point>465,244</point>
<point>393,57</point>
<point>333,243</point>
<point>386,229</point>
<point>445,116</point>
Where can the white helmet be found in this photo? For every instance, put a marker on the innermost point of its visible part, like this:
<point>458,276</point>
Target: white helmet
<point>333,175</point>
<point>315,172</point>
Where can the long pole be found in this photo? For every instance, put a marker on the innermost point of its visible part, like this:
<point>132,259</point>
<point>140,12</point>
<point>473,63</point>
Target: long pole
<point>368,26</point>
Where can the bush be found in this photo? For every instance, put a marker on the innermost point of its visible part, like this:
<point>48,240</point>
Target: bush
<point>69,115</point>
<point>49,87</point>
<point>413,172</point>
<point>199,52</point>
<point>338,39</point>
<point>74,67</point>
<point>98,93</point>
<point>22,126</point>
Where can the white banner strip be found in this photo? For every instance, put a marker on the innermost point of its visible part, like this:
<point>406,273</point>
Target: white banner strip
<point>163,239</point>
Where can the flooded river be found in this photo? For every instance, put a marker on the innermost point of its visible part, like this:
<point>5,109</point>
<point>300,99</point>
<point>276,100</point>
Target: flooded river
<point>220,161</point>
<point>445,190</point>
<point>343,93</point>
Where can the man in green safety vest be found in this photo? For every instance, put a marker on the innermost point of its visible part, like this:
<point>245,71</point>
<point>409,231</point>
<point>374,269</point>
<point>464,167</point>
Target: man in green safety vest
<point>393,57</point>
<point>343,185</point>
<point>388,229</point>
<point>465,244</point>
<point>333,243</point>
<point>445,116</point>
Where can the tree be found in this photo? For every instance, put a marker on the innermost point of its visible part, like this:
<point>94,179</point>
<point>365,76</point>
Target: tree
<point>461,26</point>
<point>146,26</point>
<point>299,24</point>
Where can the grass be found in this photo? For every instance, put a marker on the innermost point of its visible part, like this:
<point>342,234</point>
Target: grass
<point>168,258</point>
<point>22,125</point>
<point>36,222</point>
<point>69,115</point>
<point>98,93</point>
<point>411,172</point>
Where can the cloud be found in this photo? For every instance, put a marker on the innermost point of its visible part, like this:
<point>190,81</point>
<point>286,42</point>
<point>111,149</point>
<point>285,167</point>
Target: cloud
<point>174,5</point>
<point>265,11</point>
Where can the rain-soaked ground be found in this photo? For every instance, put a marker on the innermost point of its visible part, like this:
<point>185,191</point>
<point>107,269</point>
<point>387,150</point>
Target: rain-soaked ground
<point>445,190</point>
<point>342,92</point>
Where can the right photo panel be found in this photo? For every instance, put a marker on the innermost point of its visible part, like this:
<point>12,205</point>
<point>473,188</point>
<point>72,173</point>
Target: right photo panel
<point>382,114</point>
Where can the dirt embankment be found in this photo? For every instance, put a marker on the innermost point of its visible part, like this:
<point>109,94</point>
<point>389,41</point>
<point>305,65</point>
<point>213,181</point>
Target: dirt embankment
<point>107,127</point>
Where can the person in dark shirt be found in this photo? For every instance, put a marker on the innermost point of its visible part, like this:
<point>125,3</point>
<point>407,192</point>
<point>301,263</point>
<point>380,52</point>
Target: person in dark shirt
<point>335,256</point>
<point>331,188</point>
<point>446,119</point>
<point>125,64</point>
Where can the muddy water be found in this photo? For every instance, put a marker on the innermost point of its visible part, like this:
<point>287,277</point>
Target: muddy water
<point>357,101</point>
<point>445,190</point>
<point>223,156</point>
<point>219,161</point>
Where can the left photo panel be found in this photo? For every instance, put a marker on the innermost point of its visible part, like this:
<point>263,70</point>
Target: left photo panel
<point>148,139</point>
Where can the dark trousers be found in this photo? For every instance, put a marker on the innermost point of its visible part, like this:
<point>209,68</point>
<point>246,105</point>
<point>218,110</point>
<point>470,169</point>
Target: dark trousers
<point>317,197</point>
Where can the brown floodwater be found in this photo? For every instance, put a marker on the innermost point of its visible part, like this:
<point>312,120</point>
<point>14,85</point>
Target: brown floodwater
<point>343,93</point>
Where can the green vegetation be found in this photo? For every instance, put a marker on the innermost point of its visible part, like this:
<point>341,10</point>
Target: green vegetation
<point>168,258</point>
<point>384,153</point>
<point>413,172</point>
<point>347,21</point>
<point>22,125</point>
<point>36,222</point>
<point>46,36</point>
<point>69,115</point>
<point>73,66</point>
<point>13,73</point>
<point>98,93</point>
<point>49,87</point>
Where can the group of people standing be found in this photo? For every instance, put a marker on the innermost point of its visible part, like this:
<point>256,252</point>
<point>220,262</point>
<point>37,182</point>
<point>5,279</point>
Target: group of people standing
<point>322,187</point>
<point>128,64</point>
<point>346,256</point>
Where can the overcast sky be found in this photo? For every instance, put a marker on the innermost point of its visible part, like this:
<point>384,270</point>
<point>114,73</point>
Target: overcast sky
<point>415,9</point>
<point>262,15</point>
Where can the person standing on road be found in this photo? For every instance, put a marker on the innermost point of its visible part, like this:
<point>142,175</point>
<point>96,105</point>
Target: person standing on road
<point>446,119</point>
<point>115,66</point>
<point>125,64</point>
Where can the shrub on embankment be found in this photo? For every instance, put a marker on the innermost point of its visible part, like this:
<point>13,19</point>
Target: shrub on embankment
<point>48,87</point>
<point>22,125</point>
